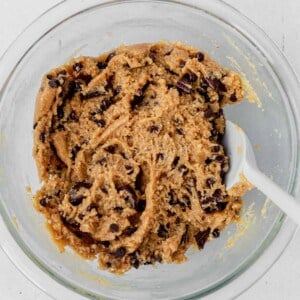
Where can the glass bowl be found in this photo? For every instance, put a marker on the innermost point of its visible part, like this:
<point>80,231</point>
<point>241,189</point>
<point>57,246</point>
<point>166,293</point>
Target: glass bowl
<point>228,265</point>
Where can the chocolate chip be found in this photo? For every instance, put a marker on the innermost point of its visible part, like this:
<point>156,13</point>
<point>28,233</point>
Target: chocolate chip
<point>129,169</point>
<point>204,85</point>
<point>139,97</point>
<point>100,123</point>
<point>200,56</point>
<point>129,230</point>
<point>76,200</point>
<point>220,137</point>
<point>85,237</point>
<point>109,57</point>
<point>210,181</point>
<point>207,200</point>
<point>44,201</point>
<point>172,197</point>
<point>62,72</point>
<point>168,52</point>
<point>183,169</point>
<point>134,219</point>
<point>60,127</point>
<point>110,149</point>
<point>139,183</point>
<point>54,83</point>
<point>180,131</point>
<point>206,97</point>
<point>49,76</point>
<point>233,97</point>
<point>81,184</point>
<point>214,132</point>
<point>117,90</point>
<point>160,156</point>
<point>218,195</point>
<point>201,238</point>
<point>114,227</point>
<point>105,105</point>
<point>81,216</point>
<point>106,244</point>
<point>175,161</point>
<point>60,111</point>
<point>189,77</point>
<point>184,236</point>
<point>74,152</point>
<point>120,252</point>
<point>162,231</point>
<point>210,204</point>
<point>221,205</point>
<point>109,83</point>
<point>78,87</point>
<point>72,88</point>
<point>216,233</point>
<point>220,158</point>
<point>216,85</point>
<point>103,189</point>
<point>108,264</point>
<point>34,125</point>
<point>72,224</point>
<point>42,137</point>
<point>154,129</point>
<point>101,65</point>
<point>77,66</point>
<point>208,113</point>
<point>171,72</point>
<point>91,94</point>
<point>181,85</point>
<point>134,260</point>
<point>220,113</point>
<point>85,77</point>
<point>199,195</point>
<point>170,213</point>
<point>152,54</point>
<point>140,205</point>
<point>208,161</point>
<point>128,194</point>
<point>215,148</point>
<point>182,64</point>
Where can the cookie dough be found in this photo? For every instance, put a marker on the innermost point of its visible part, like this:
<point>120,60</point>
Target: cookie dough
<point>128,147</point>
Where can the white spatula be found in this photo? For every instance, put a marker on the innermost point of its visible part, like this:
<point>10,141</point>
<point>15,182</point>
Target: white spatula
<point>242,161</point>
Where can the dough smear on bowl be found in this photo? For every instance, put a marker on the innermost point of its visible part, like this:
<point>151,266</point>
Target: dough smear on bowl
<point>128,147</point>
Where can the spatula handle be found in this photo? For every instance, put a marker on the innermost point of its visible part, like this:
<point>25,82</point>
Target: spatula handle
<point>282,199</point>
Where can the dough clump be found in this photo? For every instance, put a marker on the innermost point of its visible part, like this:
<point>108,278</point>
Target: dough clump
<point>128,147</point>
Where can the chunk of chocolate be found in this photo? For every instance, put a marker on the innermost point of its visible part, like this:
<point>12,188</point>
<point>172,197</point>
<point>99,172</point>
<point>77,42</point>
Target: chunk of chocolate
<point>114,227</point>
<point>201,237</point>
<point>183,86</point>
<point>200,56</point>
<point>120,252</point>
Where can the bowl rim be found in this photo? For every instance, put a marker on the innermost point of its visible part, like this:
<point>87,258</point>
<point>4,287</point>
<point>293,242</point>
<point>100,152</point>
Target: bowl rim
<point>283,230</point>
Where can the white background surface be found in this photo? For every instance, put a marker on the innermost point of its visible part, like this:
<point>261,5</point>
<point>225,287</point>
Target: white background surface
<point>280,20</point>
